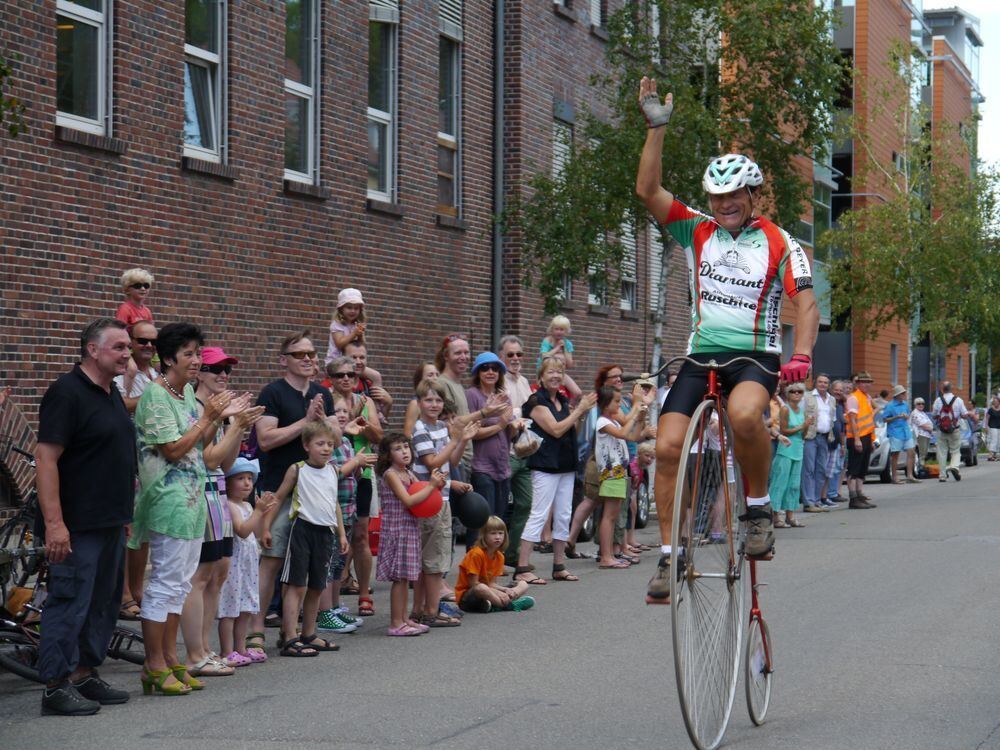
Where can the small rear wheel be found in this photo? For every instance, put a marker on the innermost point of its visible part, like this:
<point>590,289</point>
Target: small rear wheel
<point>758,669</point>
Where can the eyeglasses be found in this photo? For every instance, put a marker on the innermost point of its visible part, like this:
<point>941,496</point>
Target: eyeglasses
<point>490,368</point>
<point>342,375</point>
<point>514,354</point>
<point>145,342</point>
<point>300,355</point>
<point>795,390</point>
<point>217,369</point>
<point>139,285</point>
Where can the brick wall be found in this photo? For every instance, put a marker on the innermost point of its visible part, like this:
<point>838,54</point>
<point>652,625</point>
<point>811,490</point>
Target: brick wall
<point>242,257</point>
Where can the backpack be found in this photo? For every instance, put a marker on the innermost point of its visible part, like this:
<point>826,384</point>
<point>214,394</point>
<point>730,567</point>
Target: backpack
<point>946,417</point>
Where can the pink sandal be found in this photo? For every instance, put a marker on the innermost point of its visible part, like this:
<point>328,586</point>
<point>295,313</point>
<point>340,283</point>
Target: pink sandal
<point>236,659</point>
<point>403,630</point>
<point>255,656</point>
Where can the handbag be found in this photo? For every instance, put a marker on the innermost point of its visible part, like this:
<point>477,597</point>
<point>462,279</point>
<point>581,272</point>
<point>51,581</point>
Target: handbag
<point>526,443</point>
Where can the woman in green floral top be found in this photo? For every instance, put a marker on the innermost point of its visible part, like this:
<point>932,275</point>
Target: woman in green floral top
<point>170,507</point>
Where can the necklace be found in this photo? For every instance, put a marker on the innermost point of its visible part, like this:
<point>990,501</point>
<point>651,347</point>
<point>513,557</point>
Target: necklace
<point>166,384</point>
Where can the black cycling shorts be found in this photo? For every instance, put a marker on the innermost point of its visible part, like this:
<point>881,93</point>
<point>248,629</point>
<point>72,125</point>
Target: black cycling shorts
<point>363,497</point>
<point>689,389</point>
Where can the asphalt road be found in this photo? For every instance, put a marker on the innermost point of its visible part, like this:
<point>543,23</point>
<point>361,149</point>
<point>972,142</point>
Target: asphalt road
<point>886,626</point>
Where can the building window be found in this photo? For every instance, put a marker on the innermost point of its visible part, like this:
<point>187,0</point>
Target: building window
<point>629,299</point>
<point>381,105</point>
<point>204,81</point>
<point>597,287</point>
<point>449,68</point>
<point>82,66</point>
<point>562,145</point>
<point>822,202</point>
<point>597,13</point>
<point>301,90</point>
<point>893,364</point>
<point>958,380</point>
<point>656,304</point>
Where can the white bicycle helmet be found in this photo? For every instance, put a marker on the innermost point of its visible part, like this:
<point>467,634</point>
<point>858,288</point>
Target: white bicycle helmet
<point>731,172</point>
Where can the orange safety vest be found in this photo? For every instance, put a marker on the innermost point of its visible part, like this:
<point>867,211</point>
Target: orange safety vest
<point>865,417</point>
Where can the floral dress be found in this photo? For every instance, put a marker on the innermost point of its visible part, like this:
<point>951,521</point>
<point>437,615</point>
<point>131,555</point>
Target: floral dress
<point>399,540</point>
<point>240,591</point>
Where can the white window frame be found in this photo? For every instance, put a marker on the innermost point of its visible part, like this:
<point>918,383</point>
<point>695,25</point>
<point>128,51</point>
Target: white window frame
<point>597,13</point>
<point>388,118</point>
<point>597,280</point>
<point>454,142</point>
<point>629,297</point>
<point>103,22</point>
<point>311,94</point>
<point>562,145</point>
<point>216,64</point>
<point>893,363</point>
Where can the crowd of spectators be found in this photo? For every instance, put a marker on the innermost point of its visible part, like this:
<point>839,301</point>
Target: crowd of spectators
<point>246,511</point>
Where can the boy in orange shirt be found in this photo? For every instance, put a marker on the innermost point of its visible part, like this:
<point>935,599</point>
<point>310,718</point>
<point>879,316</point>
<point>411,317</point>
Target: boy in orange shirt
<point>476,590</point>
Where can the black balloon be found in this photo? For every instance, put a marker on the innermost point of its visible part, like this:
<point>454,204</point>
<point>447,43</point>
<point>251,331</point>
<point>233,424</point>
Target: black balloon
<point>472,510</point>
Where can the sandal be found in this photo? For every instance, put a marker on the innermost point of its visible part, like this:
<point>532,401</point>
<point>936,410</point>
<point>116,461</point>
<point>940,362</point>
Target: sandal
<point>439,621</point>
<point>544,547</point>
<point>129,610</point>
<point>403,630</point>
<point>794,524</point>
<point>779,524</point>
<point>616,565</point>
<point>236,659</point>
<point>209,667</point>
<point>522,570</point>
<point>630,559</point>
<point>257,657</point>
<point>349,587</point>
<point>255,644</point>
<point>296,647</point>
<point>314,641</point>
<point>449,597</point>
<point>366,607</point>
<point>560,568</point>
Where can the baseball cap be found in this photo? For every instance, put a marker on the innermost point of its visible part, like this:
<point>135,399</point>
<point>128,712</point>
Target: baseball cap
<point>214,355</point>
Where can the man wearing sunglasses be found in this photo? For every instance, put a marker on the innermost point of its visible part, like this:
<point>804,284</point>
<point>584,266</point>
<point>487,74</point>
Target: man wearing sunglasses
<point>140,372</point>
<point>289,404</point>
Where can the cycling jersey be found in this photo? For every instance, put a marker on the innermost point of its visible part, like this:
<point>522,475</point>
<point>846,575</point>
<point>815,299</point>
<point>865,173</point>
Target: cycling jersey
<point>736,284</point>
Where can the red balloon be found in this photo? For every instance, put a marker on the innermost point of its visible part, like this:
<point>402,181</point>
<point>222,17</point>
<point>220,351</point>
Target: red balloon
<point>430,505</point>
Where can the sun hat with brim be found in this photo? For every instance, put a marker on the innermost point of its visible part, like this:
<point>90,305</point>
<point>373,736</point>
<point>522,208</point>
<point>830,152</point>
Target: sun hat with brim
<point>244,466</point>
<point>918,400</point>
<point>348,296</point>
<point>897,390</point>
<point>487,358</point>
<point>214,355</point>
<point>863,377</point>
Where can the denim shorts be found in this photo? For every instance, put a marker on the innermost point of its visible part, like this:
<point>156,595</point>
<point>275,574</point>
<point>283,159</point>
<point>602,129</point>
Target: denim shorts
<point>897,445</point>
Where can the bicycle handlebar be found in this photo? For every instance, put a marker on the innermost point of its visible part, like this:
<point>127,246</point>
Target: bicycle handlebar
<point>710,365</point>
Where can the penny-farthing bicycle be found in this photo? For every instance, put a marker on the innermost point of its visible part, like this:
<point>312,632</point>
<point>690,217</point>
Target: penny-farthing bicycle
<point>707,583</point>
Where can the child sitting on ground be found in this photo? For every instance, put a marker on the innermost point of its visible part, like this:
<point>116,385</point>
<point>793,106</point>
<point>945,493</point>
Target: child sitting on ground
<point>239,599</point>
<point>399,541</point>
<point>136,283</point>
<point>437,446</point>
<point>316,526</point>
<point>482,565</point>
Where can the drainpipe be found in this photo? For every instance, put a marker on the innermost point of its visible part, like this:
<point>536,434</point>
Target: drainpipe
<point>496,289</point>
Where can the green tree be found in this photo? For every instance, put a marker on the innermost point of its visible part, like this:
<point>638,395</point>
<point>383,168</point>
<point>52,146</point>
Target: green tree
<point>780,70</point>
<point>922,250</point>
<point>11,108</point>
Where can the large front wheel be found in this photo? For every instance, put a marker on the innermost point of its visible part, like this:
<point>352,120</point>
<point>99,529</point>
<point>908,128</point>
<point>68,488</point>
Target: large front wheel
<point>706,591</point>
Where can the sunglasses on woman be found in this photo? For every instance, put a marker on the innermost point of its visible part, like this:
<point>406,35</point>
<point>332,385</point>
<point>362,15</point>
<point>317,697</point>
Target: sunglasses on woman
<point>490,368</point>
<point>217,369</point>
<point>139,285</point>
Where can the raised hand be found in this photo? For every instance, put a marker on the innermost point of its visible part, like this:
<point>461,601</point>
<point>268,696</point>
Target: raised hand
<point>239,403</point>
<point>267,502</point>
<point>657,115</point>
<point>470,430</point>
<point>249,416</point>
<point>316,410</point>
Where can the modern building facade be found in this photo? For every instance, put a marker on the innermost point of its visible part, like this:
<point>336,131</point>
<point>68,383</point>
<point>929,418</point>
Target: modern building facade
<point>947,42</point>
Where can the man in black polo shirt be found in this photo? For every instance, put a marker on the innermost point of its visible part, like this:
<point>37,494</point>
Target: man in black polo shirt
<point>289,403</point>
<point>84,433</point>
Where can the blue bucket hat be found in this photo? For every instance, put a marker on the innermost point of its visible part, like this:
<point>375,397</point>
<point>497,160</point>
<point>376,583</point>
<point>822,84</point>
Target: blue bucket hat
<point>244,465</point>
<point>487,358</point>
